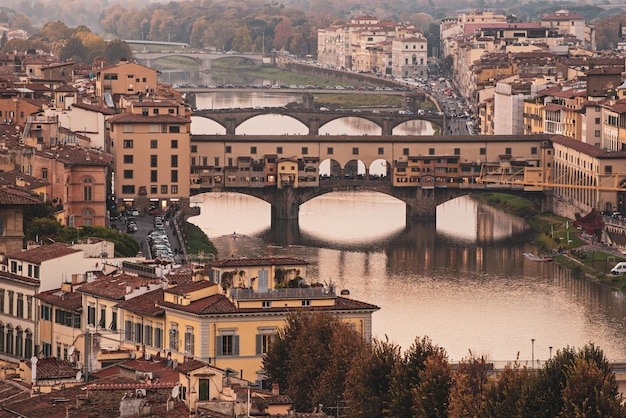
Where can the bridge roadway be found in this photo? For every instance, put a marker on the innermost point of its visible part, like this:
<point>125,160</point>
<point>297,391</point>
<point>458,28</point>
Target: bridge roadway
<point>230,119</point>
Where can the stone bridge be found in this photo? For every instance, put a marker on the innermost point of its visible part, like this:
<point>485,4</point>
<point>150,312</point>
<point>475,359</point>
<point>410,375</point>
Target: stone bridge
<point>315,119</point>
<point>421,203</point>
<point>203,59</point>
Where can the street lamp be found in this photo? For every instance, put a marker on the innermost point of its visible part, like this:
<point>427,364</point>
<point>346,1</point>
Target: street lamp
<point>533,352</point>
<point>550,352</point>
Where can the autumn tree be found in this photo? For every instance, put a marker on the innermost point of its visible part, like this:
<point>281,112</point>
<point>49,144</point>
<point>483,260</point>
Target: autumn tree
<point>282,34</point>
<point>369,379</point>
<point>310,358</point>
<point>431,397</point>
<point>74,50</point>
<point>503,395</point>
<point>406,376</point>
<point>467,394</point>
<point>117,50</point>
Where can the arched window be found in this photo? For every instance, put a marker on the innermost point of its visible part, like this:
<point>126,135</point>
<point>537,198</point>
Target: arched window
<point>9,340</point>
<point>19,342</point>
<point>28,344</point>
<point>87,217</point>
<point>87,189</point>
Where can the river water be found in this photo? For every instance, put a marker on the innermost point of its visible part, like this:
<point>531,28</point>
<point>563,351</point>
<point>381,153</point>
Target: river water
<point>462,280</point>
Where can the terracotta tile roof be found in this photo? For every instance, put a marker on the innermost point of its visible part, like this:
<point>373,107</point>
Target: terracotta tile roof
<point>135,118</point>
<point>115,287</point>
<point>189,287</point>
<point>174,279</point>
<point>606,70</point>
<point>78,156</point>
<point>23,279</point>
<point>161,373</point>
<point>579,146</point>
<point>12,391</point>
<point>65,89</point>
<point>146,304</point>
<point>553,107</point>
<point>71,301</point>
<point>30,182</point>
<point>50,368</point>
<point>94,108</point>
<point>190,365</point>
<point>215,304</point>
<point>265,261</point>
<point>10,195</point>
<point>44,253</point>
<point>562,15</point>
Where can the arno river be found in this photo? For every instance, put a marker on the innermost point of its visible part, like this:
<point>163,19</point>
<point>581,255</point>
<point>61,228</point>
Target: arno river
<point>462,280</point>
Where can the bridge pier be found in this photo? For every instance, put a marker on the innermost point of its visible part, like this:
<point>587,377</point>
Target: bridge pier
<point>422,204</point>
<point>285,204</point>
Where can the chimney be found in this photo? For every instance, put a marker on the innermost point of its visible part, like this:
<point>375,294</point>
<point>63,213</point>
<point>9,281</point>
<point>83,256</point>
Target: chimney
<point>275,389</point>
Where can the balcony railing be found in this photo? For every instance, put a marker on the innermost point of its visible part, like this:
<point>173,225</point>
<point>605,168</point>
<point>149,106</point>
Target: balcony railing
<point>299,293</point>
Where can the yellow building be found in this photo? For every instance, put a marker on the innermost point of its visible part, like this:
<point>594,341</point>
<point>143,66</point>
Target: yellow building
<point>124,78</point>
<point>259,274</point>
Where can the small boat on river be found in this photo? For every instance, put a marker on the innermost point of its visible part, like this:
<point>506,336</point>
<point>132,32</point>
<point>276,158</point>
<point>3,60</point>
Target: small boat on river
<point>533,257</point>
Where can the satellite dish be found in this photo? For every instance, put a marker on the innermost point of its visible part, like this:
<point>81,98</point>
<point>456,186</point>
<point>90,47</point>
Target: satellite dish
<point>175,391</point>
<point>70,351</point>
<point>79,376</point>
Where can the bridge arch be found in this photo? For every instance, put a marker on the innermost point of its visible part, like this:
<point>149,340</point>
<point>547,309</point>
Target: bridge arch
<point>417,125</point>
<point>276,124</point>
<point>364,125</point>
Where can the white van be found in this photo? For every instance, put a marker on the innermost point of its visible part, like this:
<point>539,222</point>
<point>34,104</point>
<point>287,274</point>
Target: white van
<point>620,268</point>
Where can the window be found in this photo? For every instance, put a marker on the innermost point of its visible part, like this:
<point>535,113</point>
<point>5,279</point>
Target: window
<point>483,151</point>
<point>153,177</point>
<point>128,174</point>
<point>431,151</point>
<point>10,295</point>
<point>252,150</point>
<point>227,345</point>
<point>158,337</point>
<point>507,151</point>
<point>1,338</point>
<point>2,301</point>
<point>533,150</point>
<point>153,190</point>
<point>46,313</point>
<point>279,150</point>
<point>28,344</point>
<point>597,121</point>
<point>174,160</point>
<point>44,173</point>
<point>128,330</point>
<point>29,307</point>
<point>263,340</point>
<point>91,314</point>
<point>266,304</point>
<point>608,169</point>
<point>194,148</point>
<point>128,189</point>
<point>113,324</point>
<point>20,305</point>
<point>189,346</point>
<point>174,336</point>
<point>164,189</point>
<point>174,143</point>
<point>174,129</point>
<point>128,143</point>
<point>228,149</point>
<point>153,144</point>
<point>147,333</point>
<point>138,333</point>
<point>305,150</point>
<point>381,151</point>
<point>306,303</point>
<point>216,161</point>
<point>155,111</point>
<point>174,176</point>
<point>405,151</point>
<point>128,159</point>
<point>174,189</point>
<point>103,317</point>
<point>153,160</point>
<point>355,151</point>
<point>457,151</point>
<point>19,342</point>
<point>330,151</point>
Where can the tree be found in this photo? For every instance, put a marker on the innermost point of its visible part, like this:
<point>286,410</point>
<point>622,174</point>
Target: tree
<point>74,50</point>
<point>311,356</point>
<point>117,50</point>
<point>282,34</point>
<point>467,395</point>
<point>406,376</point>
<point>242,41</point>
<point>503,395</point>
<point>431,397</point>
<point>369,379</point>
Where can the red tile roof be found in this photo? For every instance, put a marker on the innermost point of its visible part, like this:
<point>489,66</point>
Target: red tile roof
<point>50,368</point>
<point>135,118</point>
<point>189,287</point>
<point>38,255</point>
<point>71,301</point>
<point>146,304</point>
<point>115,287</point>
<point>11,195</point>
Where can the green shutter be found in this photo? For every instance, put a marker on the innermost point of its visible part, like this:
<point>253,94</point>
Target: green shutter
<point>235,345</point>
<point>258,344</point>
